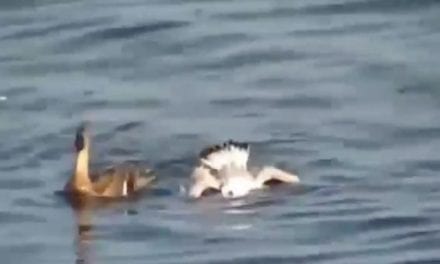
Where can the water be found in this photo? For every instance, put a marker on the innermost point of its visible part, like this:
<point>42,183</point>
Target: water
<point>344,92</point>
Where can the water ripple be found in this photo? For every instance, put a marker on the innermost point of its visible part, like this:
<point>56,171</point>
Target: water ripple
<point>340,7</point>
<point>18,218</point>
<point>244,58</point>
<point>55,29</point>
<point>133,31</point>
<point>341,92</point>
<point>20,184</point>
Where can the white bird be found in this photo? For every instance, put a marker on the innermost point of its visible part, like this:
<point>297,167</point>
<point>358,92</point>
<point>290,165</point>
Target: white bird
<point>224,168</point>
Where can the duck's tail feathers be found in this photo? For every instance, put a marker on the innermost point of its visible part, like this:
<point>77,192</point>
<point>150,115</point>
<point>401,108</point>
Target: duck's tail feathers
<point>142,180</point>
<point>228,154</point>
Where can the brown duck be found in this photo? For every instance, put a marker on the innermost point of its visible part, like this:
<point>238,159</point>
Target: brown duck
<point>113,182</point>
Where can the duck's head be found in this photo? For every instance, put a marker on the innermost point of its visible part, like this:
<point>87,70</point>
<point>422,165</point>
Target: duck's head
<point>81,138</point>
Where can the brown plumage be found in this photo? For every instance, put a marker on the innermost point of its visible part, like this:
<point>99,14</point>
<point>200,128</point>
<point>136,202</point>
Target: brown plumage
<point>113,182</point>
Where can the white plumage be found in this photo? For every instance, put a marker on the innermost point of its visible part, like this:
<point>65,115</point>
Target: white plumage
<point>224,168</point>
<point>230,154</point>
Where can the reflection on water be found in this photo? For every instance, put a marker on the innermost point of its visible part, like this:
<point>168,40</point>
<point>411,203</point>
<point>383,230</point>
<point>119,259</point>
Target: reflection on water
<point>84,236</point>
<point>83,209</point>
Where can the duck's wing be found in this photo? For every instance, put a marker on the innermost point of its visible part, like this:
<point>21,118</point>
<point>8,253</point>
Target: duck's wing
<point>269,174</point>
<point>122,180</point>
<point>203,179</point>
<point>230,153</point>
<point>101,180</point>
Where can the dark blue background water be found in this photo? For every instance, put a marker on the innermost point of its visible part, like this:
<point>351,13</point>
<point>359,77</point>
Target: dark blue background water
<point>344,92</point>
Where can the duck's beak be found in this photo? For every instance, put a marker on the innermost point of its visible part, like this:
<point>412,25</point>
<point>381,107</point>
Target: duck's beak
<point>80,137</point>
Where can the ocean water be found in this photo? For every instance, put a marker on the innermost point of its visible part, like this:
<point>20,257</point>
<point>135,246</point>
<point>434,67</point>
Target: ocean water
<point>346,93</point>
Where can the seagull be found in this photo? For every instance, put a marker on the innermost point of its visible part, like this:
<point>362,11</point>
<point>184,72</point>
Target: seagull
<point>223,168</point>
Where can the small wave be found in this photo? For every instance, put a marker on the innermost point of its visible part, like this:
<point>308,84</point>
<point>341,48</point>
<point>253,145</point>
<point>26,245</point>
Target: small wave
<point>20,184</point>
<point>300,101</point>
<point>19,218</point>
<point>55,29</point>
<point>133,31</point>
<point>328,8</point>
<point>251,57</point>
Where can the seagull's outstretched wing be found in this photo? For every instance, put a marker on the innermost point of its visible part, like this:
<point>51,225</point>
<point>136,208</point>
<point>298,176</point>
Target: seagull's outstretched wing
<point>202,180</point>
<point>230,153</point>
<point>270,173</point>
